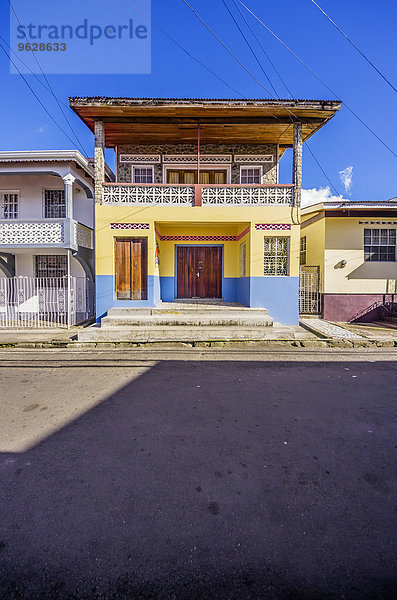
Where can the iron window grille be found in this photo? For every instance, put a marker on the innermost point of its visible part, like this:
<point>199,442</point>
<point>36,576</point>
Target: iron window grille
<point>50,265</point>
<point>9,205</point>
<point>379,245</point>
<point>276,256</point>
<point>54,204</point>
<point>303,251</point>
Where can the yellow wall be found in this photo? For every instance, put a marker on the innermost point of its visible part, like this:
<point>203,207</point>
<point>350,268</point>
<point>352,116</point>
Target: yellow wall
<point>314,230</point>
<point>181,220</point>
<point>344,240</point>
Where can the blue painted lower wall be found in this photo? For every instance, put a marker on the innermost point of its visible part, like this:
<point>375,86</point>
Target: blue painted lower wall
<point>278,294</point>
<point>105,295</point>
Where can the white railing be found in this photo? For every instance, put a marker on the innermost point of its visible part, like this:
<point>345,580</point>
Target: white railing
<point>43,301</point>
<point>148,194</point>
<point>252,195</point>
<point>32,232</point>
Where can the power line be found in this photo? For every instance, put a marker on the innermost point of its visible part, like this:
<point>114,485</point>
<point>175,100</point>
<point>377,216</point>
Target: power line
<point>184,49</point>
<point>318,78</point>
<point>30,70</point>
<point>250,47</point>
<point>36,96</point>
<point>261,47</point>
<point>227,49</point>
<point>354,46</point>
<point>291,113</point>
<point>48,84</point>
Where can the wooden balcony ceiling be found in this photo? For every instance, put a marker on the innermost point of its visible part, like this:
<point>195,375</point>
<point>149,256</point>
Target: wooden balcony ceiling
<point>165,120</point>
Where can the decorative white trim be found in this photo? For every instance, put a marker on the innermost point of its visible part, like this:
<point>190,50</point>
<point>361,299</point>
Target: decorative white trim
<point>191,159</point>
<point>253,158</point>
<point>140,159</point>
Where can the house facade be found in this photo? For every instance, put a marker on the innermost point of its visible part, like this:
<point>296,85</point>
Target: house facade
<point>197,210</point>
<point>46,238</point>
<point>353,246</point>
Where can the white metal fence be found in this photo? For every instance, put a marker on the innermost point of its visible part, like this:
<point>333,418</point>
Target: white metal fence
<point>309,290</point>
<point>43,301</point>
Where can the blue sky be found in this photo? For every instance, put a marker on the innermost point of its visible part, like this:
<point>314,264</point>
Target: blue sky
<point>342,143</point>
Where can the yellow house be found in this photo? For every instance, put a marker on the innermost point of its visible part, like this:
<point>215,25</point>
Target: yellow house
<point>197,210</point>
<point>353,245</point>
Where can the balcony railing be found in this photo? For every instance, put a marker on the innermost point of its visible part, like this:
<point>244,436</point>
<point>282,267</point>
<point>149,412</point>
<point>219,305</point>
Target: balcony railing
<point>57,233</point>
<point>197,195</point>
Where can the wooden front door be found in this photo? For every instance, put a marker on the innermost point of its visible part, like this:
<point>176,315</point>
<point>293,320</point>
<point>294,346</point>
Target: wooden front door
<point>199,272</point>
<point>131,268</point>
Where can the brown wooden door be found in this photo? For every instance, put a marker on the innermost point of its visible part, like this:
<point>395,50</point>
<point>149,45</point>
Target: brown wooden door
<point>199,272</point>
<point>190,177</point>
<point>131,268</point>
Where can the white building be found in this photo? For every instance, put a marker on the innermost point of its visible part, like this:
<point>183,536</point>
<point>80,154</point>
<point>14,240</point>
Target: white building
<point>46,238</point>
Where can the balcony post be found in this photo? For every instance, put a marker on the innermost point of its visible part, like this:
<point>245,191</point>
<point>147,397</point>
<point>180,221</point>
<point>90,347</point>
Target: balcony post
<point>297,163</point>
<point>68,181</point>
<point>99,160</point>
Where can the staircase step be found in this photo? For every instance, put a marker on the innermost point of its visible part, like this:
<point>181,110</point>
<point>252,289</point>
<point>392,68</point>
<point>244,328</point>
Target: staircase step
<point>178,334</point>
<point>187,320</point>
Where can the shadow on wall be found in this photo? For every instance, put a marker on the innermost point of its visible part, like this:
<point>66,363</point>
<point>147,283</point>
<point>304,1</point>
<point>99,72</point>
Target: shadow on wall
<point>202,480</point>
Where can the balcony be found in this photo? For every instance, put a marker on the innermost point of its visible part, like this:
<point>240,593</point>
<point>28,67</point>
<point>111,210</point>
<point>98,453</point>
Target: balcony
<point>45,233</point>
<point>197,195</point>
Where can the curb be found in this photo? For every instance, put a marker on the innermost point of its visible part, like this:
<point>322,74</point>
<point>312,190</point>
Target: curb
<point>287,343</point>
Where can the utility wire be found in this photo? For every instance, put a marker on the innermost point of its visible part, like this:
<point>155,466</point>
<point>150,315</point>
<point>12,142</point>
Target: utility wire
<point>291,113</point>
<point>354,46</point>
<point>250,47</point>
<point>318,78</point>
<point>227,49</point>
<point>184,49</point>
<point>261,47</point>
<point>30,70</point>
<point>36,96</point>
<point>48,84</point>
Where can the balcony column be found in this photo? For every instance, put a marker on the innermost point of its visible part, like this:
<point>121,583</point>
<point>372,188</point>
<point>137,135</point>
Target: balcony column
<point>68,181</point>
<point>99,160</point>
<point>297,163</point>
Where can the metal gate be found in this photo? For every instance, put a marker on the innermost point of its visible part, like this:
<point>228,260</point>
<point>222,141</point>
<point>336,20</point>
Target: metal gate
<point>309,290</point>
<point>43,301</point>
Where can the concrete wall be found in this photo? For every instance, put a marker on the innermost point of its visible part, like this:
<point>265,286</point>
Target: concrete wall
<point>31,193</point>
<point>278,294</point>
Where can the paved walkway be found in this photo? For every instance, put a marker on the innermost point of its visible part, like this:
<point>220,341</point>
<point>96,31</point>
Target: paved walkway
<point>330,330</point>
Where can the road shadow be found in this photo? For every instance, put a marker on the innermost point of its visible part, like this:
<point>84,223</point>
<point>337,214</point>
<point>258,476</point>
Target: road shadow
<point>215,480</point>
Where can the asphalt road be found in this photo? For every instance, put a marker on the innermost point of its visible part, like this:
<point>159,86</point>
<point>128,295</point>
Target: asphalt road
<point>197,475</point>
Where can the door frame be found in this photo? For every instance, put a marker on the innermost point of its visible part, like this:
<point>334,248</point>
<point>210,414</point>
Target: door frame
<point>193,167</point>
<point>145,266</point>
<point>197,245</point>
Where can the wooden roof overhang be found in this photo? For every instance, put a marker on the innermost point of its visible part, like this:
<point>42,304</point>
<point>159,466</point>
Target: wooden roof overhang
<point>160,121</point>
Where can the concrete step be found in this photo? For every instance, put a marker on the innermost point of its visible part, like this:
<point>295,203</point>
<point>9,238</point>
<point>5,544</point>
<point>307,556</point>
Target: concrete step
<point>196,310</point>
<point>181,334</point>
<point>188,320</point>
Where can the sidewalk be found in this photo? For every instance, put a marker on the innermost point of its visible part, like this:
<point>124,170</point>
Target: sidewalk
<point>313,333</point>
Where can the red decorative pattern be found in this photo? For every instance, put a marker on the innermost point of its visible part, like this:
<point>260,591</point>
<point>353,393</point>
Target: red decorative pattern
<point>201,238</point>
<point>129,226</point>
<point>242,234</point>
<point>273,226</point>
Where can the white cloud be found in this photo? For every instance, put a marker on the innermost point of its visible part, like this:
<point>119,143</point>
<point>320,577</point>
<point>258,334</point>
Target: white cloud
<point>314,195</point>
<point>41,129</point>
<point>346,177</point>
